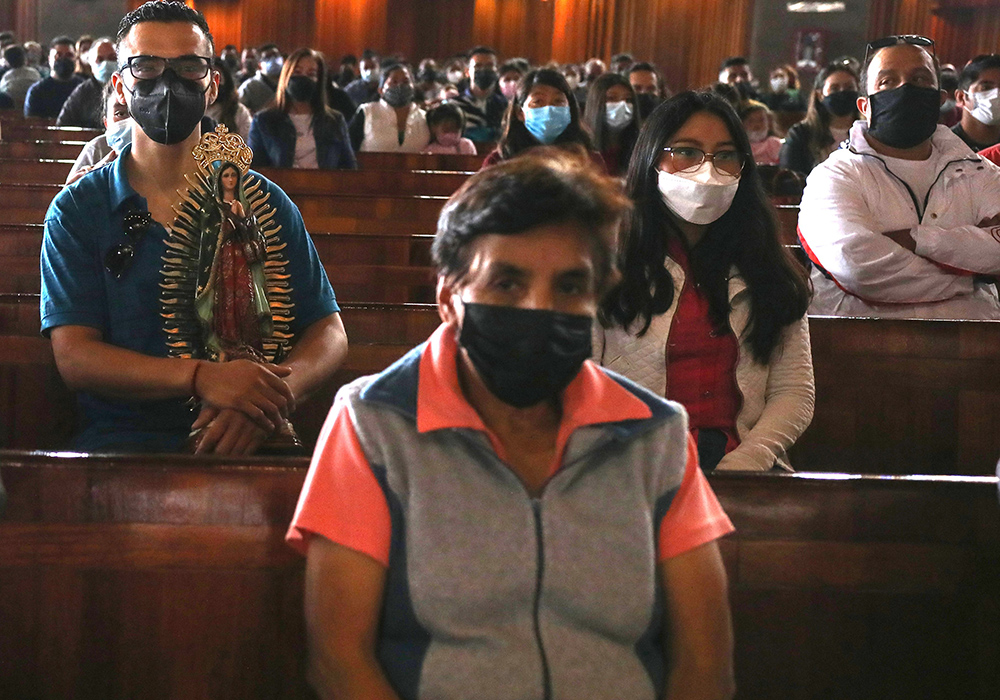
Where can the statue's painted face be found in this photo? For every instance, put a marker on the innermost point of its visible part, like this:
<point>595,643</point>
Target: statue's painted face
<point>228,179</point>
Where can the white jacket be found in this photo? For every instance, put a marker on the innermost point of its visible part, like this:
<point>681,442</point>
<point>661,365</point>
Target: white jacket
<point>382,133</point>
<point>778,397</point>
<point>853,197</point>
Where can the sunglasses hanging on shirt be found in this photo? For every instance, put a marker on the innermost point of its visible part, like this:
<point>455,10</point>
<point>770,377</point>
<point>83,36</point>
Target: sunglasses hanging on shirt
<point>119,259</point>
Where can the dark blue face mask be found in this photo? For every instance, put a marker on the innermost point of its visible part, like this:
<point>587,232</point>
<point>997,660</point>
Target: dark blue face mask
<point>525,356</point>
<point>167,108</point>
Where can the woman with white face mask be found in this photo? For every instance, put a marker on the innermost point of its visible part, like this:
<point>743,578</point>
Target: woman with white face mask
<point>710,309</point>
<point>613,120</point>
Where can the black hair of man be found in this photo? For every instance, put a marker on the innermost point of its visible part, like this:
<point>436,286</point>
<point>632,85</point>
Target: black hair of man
<point>480,50</point>
<point>863,78</point>
<point>622,57</point>
<point>975,67</point>
<point>949,81</point>
<point>164,11</point>
<point>267,47</point>
<point>370,55</point>
<point>734,61</point>
<point>6,38</point>
<point>229,47</point>
<point>14,55</point>
<point>61,40</point>
<point>349,59</point>
<point>643,66</point>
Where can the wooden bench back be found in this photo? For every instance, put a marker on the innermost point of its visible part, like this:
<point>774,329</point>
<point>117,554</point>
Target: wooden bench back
<point>167,577</point>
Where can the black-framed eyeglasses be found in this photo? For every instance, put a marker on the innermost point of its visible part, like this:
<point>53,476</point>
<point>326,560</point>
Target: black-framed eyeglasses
<point>895,39</point>
<point>687,159</point>
<point>151,67</point>
<point>119,259</point>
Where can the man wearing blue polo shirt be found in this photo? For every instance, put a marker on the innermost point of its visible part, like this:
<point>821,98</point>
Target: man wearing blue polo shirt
<point>104,319</point>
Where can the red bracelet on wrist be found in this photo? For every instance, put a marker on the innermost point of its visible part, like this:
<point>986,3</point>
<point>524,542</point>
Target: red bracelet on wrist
<point>194,378</point>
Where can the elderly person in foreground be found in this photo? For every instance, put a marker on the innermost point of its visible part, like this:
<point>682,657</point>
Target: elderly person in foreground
<point>495,516</point>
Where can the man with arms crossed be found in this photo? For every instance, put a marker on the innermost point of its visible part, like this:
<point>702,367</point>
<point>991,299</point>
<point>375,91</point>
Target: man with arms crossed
<point>903,222</point>
<point>101,306</point>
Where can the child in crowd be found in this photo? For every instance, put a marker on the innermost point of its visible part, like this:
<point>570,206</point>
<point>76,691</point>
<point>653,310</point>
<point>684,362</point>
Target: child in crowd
<point>757,121</point>
<point>446,123</point>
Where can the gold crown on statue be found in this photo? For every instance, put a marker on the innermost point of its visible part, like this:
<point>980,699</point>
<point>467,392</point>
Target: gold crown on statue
<point>220,145</point>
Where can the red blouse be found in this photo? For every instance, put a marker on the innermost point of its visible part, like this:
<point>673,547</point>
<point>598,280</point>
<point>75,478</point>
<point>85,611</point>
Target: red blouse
<point>701,361</point>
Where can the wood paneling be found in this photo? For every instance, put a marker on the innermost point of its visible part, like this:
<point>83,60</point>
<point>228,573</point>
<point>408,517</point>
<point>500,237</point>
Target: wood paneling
<point>687,39</point>
<point>962,29</point>
<point>166,577</point>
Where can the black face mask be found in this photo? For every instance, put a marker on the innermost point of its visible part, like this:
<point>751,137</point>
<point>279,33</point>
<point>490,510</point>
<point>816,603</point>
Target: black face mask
<point>485,78</point>
<point>63,68</point>
<point>168,108</point>
<point>525,356</point>
<point>745,89</point>
<point>398,95</point>
<point>646,102</point>
<point>904,117</point>
<point>842,103</point>
<point>301,88</point>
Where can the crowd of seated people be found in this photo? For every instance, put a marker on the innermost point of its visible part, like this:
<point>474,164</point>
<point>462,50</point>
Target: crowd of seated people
<point>612,225</point>
<point>917,238</point>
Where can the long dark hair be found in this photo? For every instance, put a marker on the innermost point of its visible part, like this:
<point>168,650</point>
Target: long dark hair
<point>318,104</point>
<point>818,117</point>
<point>516,136</point>
<point>227,100</point>
<point>744,237</point>
<point>595,110</point>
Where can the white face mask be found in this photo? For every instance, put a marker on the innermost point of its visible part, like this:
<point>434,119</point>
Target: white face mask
<point>455,76</point>
<point>779,84</point>
<point>948,106</point>
<point>618,114</point>
<point>987,106</point>
<point>573,82</point>
<point>757,135</point>
<point>119,134</point>
<point>699,197</point>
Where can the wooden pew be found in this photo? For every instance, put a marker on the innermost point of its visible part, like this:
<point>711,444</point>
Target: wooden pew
<point>48,150</point>
<point>293,182</point>
<point>37,411</point>
<point>419,161</point>
<point>893,396</point>
<point>32,131</point>
<point>904,397</point>
<point>362,267</point>
<point>167,577</point>
<point>396,182</point>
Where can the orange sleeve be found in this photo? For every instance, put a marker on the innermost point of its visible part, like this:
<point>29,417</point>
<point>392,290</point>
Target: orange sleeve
<point>341,499</point>
<point>695,516</point>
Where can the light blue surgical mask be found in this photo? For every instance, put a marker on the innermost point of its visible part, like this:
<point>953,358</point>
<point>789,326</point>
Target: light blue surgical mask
<point>618,115</point>
<point>271,67</point>
<point>547,123</point>
<point>104,70</point>
<point>119,134</point>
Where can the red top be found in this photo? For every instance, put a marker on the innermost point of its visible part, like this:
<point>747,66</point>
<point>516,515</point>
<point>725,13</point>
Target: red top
<point>701,361</point>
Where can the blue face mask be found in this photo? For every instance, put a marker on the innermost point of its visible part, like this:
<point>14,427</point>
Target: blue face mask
<point>119,135</point>
<point>104,70</point>
<point>547,123</point>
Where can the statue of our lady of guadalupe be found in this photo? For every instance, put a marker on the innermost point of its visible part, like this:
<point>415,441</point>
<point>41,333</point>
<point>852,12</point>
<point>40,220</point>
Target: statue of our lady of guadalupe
<point>232,292</point>
<point>225,292</point>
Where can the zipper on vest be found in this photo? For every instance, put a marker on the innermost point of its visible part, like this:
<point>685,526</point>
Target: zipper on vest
<point>536,508</point>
